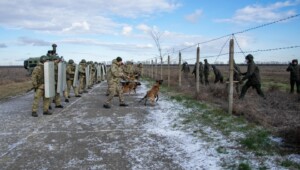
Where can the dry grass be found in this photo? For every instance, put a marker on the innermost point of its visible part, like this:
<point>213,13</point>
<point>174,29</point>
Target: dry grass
<point>280,112</point>
<point>14,81</point>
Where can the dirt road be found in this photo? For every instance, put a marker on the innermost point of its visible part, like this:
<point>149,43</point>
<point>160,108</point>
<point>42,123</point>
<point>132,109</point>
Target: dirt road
<point>84,135</point>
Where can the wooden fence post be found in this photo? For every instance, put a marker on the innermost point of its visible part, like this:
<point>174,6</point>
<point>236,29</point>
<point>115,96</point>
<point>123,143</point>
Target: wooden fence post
<point>161,66</point>
<point>197,70</point>
<point>230,94</point>
<point>156,69</point>
<point>179,70</point>
<point>152,69</point>
<point>169,72</point>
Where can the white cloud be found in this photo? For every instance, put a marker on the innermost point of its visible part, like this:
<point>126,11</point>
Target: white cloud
<point>33,42</point>
<point>194,17</point>
<point>78,26</point>
<point>259,13</point>
<point>90,16</point>
<point>143,27</point>
<point>126,30</point>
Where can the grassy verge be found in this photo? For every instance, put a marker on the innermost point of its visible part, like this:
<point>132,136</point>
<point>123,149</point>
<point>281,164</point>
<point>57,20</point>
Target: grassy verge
<point>252,137</point>
<point>13,89</point>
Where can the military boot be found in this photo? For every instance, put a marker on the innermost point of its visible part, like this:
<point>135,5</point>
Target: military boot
<point>34,114</point>
<point>47,113</point>
<point>67,100</point>
<point>107,106</point>
<point>77,96</point>
<point>59,106</point>
<point>123,104</point>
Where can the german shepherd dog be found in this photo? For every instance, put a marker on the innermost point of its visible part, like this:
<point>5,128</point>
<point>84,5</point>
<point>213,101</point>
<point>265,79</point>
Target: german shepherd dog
<point>152,94</point>
<point>130,85</point>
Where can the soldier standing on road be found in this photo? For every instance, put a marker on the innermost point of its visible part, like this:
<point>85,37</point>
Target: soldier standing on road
<point>115,73</point>
<point>218,74</point>
<point>293,74</point>
<point>71,68</point>
<point>200,72</point>
<point>38,83</point>
<point>57,98</point>
<point>82,78</point>
<point>206,71</point>
<point>253,78</point>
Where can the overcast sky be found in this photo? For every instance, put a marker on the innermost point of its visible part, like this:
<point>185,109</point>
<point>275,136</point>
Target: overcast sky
<point>101,30</point>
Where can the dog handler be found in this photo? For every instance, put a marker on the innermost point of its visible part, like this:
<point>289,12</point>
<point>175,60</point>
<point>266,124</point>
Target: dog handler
<point>115,73</point>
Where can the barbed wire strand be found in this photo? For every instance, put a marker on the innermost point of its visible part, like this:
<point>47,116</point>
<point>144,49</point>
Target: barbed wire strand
<point>240,32</point>
<point>238,45</point>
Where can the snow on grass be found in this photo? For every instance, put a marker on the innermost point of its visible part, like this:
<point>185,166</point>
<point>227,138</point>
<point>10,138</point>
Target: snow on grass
<point>196,152</point>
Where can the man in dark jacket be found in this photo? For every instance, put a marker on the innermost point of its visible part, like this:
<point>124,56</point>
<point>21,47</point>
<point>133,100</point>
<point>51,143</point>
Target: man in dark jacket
<point>293,74</point>
<point>185,69</point>
<point>218,74</point>
<point>200,72</point>
<point>206,71</point>
<point>253,78</point>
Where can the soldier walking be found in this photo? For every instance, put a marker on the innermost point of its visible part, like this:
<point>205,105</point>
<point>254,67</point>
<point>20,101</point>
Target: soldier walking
<point>38,83</point>
<point>82,77</point>
<point>115,74</point>
<point>253,78</point>
<point>71,68</point>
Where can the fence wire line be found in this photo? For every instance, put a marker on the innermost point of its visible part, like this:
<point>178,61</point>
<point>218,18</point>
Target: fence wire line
<point>239,32</point>
<point>238,45</point>
<point>222,48</point>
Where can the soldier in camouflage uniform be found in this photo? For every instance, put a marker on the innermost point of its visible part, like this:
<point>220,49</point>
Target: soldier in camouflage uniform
<point>82,78</point>
<point>128,69</point>
<point>92,74</point>
<point>138,71</point>
<point>200,71</point>
<point>115,74</point>
<point>57,99</point>
<point>38,83</point>
<point>71,68</point>
<point>253,78</point>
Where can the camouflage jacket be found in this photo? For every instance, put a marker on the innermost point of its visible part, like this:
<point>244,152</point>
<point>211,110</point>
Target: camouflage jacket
<point>70,71</point>
<point>81,70</point>
<point>37,76</point>
<point>115,72</point>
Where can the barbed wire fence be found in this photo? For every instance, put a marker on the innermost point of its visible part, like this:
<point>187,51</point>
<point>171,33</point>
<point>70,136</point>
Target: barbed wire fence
<point>151,65</point>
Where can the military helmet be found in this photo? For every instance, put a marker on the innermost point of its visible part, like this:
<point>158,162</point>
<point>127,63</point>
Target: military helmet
<point>249,57</point>
<point>70,61</point>
<point>83,61</point>
<point>54,45</point>
<point>43,58</point>
<point>119,59</point>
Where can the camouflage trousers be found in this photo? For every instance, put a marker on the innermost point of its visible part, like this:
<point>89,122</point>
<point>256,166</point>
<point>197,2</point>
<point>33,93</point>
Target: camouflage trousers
<point>57,99</point>
<point>69,85</point>
<point>82,83</point>
<point>39,93</point>
<point>113,89</point>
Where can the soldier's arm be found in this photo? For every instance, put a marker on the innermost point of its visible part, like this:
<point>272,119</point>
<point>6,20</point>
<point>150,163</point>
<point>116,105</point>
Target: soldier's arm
<point>34,76</point>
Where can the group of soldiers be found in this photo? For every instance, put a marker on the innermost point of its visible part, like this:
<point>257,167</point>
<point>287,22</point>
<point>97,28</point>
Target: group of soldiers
<point>119,71</point>
<point>252,76</point>
<point>53,78</point>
